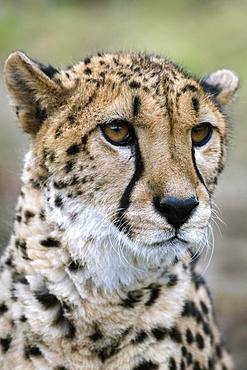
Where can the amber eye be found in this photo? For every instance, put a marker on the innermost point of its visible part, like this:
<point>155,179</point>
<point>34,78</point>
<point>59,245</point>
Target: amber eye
<point>201,134</point>
<point>118,132</point>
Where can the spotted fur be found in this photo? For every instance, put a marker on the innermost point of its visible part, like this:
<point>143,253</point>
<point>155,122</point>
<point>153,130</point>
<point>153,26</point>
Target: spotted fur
<point>94,277</point>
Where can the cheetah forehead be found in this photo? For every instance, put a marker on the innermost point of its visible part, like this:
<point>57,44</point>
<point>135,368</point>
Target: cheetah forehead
<point>38,90</point>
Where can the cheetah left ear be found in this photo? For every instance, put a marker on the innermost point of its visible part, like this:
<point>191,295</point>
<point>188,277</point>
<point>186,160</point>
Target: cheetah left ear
<point>34,91</point>
<point>221,85</point>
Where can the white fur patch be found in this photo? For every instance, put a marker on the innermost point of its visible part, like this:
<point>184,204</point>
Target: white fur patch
<point>111,259</point>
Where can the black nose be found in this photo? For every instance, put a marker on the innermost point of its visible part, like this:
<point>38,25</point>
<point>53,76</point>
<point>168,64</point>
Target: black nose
<point>175,210</point>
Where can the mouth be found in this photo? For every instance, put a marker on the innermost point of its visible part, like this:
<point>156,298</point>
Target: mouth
<point>167,242</point>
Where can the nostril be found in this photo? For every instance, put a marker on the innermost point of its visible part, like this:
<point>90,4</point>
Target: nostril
<point>175,210</point>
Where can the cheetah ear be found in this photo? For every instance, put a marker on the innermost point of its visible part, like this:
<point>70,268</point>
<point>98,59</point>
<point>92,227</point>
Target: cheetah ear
<point>34,92</point>
<point>221,85</point>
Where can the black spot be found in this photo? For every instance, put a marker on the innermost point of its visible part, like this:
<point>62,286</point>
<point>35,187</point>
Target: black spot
<point>73,149</point>
<point>172,364</point>
<point>84,180</point>
<point>9,261</point>
<point>175,334</point>
<point>17,110</point>
<point>97,334</point>
<point>19,278</point>
<point>70,329</point>
<point>136,105</point>
<point>132,298</point>
<point>42,215</point>
<point>71,118</point>
<point>58,132</point>
<point>108,351</point>
<point>3,308</point>
<point>182,365</point>
<point>40,113</point>
<point>159,333</point>
<point>116,61</point>
<point>211,363</point>
<point>87,60</point>
<point>18,218</point>
<point>173,279</point>
<point>51,156</point>
<point>58,201</point>
<point>74,265</point>
<point>49,70</point>
<point>195,104</point>
<point>62,321</point>
<point>140,337</point>
<point>23,318</point>
<point>5,343</point>
<point>218,350</point>
<point>32,350</point>
<point>50,242</point>
<point>190,309</point>
<point>184,351</point>
<point>189,336</point>
<point>189,358</point>
<point>155,290</point>
<point>198,280</point>
<point>28,214</point>
<point>74,181</point>
<point>60,368</point>
<point>189,87</point>
<point>204,307</point>
<point>199,341</point>
<point>59,184</point>
<point>207,330</point>
<point>22,246</point>
<point>197,366</point>
<point>84,139</point>
<point>134,84</point>
<point>69,166</point>
<point>47,299</point>
<point>146,365</point>
<point>87,71</point>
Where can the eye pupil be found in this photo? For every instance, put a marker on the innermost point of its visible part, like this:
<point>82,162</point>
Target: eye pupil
<point>117,132</point>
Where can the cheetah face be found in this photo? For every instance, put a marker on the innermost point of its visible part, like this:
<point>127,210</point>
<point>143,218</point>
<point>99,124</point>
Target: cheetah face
<point>128,149</point>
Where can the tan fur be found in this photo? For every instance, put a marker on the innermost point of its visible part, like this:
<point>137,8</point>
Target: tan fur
<point>65,302</point>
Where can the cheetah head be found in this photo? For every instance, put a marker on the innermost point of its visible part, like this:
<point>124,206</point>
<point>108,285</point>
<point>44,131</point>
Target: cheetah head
<point>126,150</point>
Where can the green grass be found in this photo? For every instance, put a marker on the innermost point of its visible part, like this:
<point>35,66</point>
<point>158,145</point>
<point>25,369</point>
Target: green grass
<point>202,35</point>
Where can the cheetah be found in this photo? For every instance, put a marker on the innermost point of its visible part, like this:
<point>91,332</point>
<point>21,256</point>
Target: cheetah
<point>100,271</point>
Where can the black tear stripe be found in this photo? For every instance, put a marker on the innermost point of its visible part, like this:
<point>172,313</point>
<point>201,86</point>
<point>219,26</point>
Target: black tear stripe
<point>120,221</point>
<point>197,170</point>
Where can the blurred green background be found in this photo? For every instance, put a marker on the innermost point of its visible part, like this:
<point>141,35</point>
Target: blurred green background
<point>202,35</point>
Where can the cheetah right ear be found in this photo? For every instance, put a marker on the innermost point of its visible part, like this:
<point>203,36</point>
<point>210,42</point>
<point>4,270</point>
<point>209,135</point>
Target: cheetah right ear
<point>33,90</point>
<point>221,85</point>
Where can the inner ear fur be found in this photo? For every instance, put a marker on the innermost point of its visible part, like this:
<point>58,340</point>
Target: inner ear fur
<point>221,85</point>
<point>32,89</point>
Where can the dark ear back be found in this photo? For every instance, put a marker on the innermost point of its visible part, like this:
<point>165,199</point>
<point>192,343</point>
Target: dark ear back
<point>32,89</point>
<point>221,85</point>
